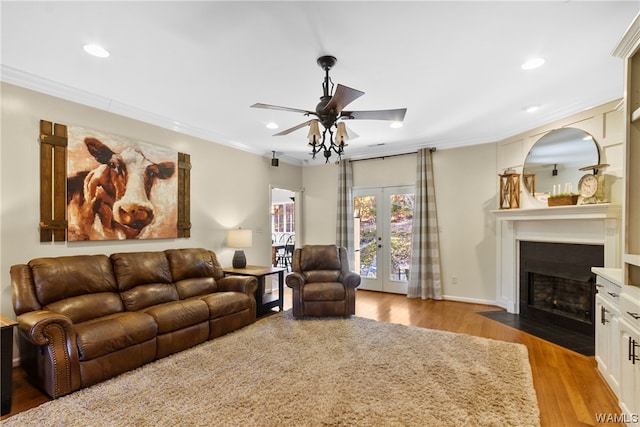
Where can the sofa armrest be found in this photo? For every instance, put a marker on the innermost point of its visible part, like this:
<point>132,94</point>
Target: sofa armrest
<point>295,280</point>
<point>36,326</point>
<point>350,280</point>
<point>244,284</point>
<point>50,351</point>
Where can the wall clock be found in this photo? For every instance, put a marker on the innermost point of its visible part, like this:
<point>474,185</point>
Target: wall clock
<point>591,188</point>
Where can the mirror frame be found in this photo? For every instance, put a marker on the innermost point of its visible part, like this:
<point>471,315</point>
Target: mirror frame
<point>559,153</point>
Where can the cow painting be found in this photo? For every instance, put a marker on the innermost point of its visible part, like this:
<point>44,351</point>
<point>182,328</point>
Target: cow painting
<point>120,189</point>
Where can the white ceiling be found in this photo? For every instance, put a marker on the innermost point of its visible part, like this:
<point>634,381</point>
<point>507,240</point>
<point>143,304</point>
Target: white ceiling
<point>196,67</point>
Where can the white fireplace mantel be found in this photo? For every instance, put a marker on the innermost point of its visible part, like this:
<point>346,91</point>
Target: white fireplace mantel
<point>597,224</point>
<point>595,211</point>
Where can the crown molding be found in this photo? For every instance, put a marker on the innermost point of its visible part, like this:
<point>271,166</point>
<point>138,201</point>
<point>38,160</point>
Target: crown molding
<point>629,41</point>
<point>32,82</point>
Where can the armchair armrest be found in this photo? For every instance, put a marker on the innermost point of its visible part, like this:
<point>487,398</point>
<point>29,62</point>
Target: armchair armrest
<point>350,280</point>
<point>295,280</point>
<point>244,284</point>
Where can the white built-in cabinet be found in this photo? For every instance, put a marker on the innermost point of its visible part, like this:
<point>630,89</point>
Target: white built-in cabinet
<point>618,318</point>
<point>629,394</point>
<point>607,331</point>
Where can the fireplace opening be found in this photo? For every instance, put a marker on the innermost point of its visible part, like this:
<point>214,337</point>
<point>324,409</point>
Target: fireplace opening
<point>557,286</point>
<point>566,297</point>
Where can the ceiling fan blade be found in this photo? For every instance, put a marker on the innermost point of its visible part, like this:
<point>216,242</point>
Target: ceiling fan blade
<point>279,108</point>
<point>352,134</point>
<point>293,129</point>
<point>396,115</point>
<point>342,97</point>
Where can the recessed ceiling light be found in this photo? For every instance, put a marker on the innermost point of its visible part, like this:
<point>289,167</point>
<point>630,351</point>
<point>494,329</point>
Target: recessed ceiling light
<point>532,109</point>
<point>396,125</point>
<point>532,63</point>
<point>272,125</point>
<point>96,50</point>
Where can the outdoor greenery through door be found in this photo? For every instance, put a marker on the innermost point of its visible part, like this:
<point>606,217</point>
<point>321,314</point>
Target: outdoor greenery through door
<point>382,237</point>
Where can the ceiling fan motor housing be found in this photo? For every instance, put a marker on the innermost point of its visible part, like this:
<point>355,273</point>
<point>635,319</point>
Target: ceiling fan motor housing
<point>327,62</point>
<point>327,118</point>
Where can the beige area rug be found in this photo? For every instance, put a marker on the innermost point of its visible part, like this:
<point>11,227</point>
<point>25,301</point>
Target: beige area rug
<point>314,372</point>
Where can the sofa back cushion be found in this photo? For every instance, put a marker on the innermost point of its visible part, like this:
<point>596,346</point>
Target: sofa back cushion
<point>320,257</point>
<point>143,278</point>
<point>194,271</point>
<point>82,287</point>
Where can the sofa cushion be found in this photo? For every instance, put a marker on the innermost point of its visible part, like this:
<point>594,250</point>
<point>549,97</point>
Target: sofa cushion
<point>80,274</point>
<point>225,303</point>
<point>196,286</point>
<point>195,262</point>
<point>87,307</point>
<point>323,291</point>
<point>140,268</point>
<point>322,275</point>
<point>147,295</point>
<point>320,257</point>
<point>107,334</point>
<point>175,315</point>
<point>144,279</point>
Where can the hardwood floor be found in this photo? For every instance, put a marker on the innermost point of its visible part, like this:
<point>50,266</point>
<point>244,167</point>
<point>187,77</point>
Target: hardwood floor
<point>569,388</point>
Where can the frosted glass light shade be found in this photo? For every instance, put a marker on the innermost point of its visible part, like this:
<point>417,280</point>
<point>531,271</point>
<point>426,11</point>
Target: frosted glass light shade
<point>314,133</point>
<point>341,134</point>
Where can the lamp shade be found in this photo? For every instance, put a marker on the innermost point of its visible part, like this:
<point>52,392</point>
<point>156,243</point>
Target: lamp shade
<point>341,133</point>
<point>239,238</point>
<point>314,133</point>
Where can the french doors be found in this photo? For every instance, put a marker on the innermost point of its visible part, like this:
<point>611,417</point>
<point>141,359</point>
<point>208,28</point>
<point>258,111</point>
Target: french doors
<point>382,237</point>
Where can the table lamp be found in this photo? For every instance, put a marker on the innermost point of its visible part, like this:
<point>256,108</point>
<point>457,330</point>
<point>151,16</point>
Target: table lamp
<point>238,239</point>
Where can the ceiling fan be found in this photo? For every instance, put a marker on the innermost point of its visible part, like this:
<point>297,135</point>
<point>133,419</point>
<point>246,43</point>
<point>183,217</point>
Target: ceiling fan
<point>330,113</point>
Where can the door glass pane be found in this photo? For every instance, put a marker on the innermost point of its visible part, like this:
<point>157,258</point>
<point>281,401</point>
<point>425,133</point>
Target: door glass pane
<point>401,216</point>
<point>278,218</point>
<point>289,216</point>
<point>365,213</point>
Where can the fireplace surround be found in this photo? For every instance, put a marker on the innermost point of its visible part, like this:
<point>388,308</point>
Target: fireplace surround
<point>557,286</point>
<point>597,224</point>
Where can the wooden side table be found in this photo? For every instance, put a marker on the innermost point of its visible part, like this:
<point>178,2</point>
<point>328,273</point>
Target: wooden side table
<point>263,302</point>
<point>6,356</point>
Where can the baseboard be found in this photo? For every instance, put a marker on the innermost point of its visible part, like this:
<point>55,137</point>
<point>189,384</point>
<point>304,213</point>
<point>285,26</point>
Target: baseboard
<point>470,300</point>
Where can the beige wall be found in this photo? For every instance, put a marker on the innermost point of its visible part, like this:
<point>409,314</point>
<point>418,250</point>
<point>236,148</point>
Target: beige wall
<point>465,195</point>
<point>229,187</point>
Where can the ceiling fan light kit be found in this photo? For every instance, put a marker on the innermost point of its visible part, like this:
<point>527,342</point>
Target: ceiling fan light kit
<point>329,111</point>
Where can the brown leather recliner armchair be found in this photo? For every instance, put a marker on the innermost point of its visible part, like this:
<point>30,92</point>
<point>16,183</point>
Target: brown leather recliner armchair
<point>321,281</point>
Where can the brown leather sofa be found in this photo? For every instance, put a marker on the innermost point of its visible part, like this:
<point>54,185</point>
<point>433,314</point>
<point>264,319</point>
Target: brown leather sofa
<point>84,319</point>
<point>322,283</point>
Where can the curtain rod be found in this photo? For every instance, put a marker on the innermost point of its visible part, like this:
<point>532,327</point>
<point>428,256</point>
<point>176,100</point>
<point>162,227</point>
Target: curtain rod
<point>431,149</point>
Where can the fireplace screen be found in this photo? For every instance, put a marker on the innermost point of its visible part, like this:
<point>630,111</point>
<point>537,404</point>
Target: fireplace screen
<point>567,297</point>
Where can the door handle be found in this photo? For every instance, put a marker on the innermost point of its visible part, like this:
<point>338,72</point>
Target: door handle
<point>603,315</point>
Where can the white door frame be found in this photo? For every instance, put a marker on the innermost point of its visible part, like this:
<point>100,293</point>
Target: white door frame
<point>383,281</point>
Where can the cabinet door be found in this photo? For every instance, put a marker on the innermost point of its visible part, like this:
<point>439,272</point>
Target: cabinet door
<point>629,373</point>
<point>603,332</point>
<point>607,338</point>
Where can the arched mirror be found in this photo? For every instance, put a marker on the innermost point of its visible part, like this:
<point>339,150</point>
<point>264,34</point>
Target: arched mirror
<point>556,159</point>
